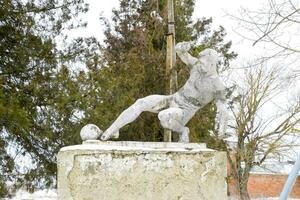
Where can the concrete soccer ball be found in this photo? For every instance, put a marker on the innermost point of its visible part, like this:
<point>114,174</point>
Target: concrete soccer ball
<point>90,132</point>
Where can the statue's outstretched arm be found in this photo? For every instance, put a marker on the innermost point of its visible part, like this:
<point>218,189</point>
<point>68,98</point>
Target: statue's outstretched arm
<point>182,49</point>
<point>222,114</point>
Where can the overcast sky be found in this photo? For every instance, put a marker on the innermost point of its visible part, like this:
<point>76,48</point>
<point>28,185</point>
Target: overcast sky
<point>216,9</point>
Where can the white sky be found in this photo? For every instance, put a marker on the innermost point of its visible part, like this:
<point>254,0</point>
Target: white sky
<point>216,9</point>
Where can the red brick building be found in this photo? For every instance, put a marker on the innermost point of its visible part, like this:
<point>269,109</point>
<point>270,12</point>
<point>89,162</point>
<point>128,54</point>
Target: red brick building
<point>266,185</point>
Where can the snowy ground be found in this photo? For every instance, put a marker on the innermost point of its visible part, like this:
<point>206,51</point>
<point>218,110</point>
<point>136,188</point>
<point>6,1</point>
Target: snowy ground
<point>39,195</point>
<point>51,195</point>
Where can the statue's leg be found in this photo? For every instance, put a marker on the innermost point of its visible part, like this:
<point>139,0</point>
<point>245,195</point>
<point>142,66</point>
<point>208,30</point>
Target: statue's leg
<point>173,119</point>
<point>152,103</point>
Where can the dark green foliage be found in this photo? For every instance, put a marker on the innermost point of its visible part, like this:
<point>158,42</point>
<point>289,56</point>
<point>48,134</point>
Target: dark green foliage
<point>36,99</point>
<point>134,52</point>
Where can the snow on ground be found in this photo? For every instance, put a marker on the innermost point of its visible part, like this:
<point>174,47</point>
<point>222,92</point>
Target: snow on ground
<point>51,195</point>
<point>38,195</point>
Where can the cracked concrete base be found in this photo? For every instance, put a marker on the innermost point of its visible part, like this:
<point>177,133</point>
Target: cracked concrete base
<point>136,170</point>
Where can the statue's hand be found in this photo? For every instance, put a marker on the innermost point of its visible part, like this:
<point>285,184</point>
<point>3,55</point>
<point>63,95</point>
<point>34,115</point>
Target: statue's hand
<point>222,117</point>
<point>183,46</point>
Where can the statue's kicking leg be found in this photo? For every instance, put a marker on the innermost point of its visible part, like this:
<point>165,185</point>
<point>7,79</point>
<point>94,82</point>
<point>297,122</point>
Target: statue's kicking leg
<point>173,119</point>
<point>152,103</point>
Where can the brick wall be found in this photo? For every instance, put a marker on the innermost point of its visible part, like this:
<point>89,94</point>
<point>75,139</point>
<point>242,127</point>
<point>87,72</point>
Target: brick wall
<point>266,185</point>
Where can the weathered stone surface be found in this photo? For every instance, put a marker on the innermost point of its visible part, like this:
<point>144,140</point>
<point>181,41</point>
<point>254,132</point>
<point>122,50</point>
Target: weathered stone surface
<point>125,170</point>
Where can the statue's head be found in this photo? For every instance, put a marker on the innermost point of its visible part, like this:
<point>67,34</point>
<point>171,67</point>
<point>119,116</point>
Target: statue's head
<point>211,59</point>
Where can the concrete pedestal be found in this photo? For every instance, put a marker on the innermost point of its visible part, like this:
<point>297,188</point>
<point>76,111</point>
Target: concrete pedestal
<point>141,170</point>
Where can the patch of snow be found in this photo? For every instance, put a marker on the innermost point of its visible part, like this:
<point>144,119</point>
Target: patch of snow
<point>134,146</point>
<point>273,167</point>
<point>52,195</point>
<point>38,195</point>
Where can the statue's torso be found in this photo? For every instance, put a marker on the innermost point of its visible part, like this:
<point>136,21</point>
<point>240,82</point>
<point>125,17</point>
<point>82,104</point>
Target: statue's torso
<point>200,88</point>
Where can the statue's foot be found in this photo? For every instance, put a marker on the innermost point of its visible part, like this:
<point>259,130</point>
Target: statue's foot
<point>184,136</point>
<point>115,135</point>
<point>110,135</point>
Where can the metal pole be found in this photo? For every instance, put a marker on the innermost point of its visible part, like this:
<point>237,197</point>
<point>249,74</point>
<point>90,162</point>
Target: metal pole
<point>171,74</point>
<point>291,180</point>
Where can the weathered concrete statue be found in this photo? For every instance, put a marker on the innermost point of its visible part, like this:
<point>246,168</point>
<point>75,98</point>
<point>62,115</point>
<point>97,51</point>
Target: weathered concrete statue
<point>174,111</point>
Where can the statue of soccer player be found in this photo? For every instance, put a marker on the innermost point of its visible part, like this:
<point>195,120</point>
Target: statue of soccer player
<point>175,110</point>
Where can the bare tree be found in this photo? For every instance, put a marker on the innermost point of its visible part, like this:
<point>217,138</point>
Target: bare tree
<point>276,25</point>
<point>257,137</point>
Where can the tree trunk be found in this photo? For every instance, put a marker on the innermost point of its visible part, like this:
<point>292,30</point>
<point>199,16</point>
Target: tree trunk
<point>243,187</point>
<point>244,195</point>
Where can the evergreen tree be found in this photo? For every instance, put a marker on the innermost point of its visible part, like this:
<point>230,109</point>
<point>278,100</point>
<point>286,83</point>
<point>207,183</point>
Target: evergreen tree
<point>38,94</point>
<point>134,53</point>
